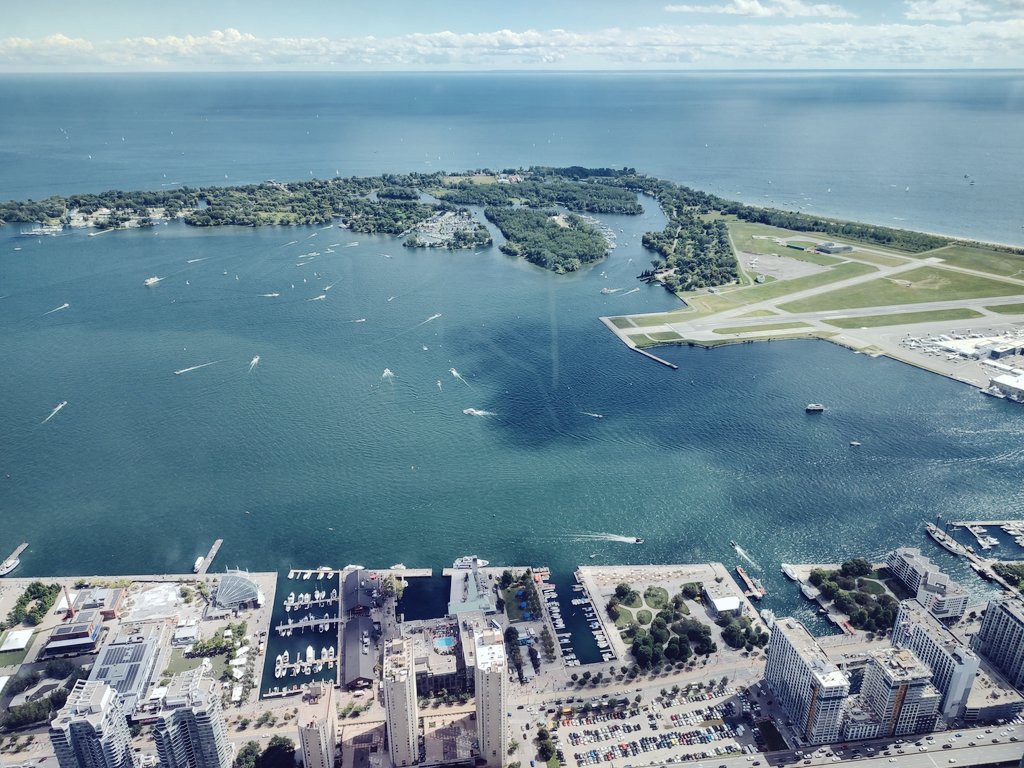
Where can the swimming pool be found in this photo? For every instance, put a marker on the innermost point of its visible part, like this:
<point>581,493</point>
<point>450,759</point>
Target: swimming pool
<point>444,643</point>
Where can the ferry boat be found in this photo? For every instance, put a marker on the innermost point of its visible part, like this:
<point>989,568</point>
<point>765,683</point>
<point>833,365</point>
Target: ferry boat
<point>815,408</point>
<point>198,564</point>
<point>790,572</point>
<point>466,562</point>
<point>9,565</point>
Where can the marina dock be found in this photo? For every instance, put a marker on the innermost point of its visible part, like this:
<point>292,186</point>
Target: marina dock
<point>304,624</point>
<point>208,560</point>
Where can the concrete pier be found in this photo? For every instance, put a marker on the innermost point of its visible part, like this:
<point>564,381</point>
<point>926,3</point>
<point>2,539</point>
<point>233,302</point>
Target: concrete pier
<point>208,560</point>
<point>20,548</point>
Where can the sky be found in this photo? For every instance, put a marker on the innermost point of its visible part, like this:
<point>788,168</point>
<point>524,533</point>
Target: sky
<point>460,35</point>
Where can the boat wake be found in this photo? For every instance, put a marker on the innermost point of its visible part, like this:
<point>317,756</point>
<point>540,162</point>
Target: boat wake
<point>593,415</point>
<point>432,317</point>
<point>607,537</point>
<point>54,412</point>
<point>321,297</point>
<point>477,412</point>
<point>56,309</point>
<point>388,375</point>
<point>195,368</point>
<point>270,295</point>
<point>458,376</point>
<point>631,290</point>
<point>253,363</point>
<point>743,553</point>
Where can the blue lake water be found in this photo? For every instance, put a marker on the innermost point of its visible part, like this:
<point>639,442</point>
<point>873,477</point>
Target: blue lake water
<point>315,457</point>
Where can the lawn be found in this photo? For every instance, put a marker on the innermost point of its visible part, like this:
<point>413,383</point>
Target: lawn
<point>656,598</point>
<point>756,328</point>
<point>512,609</point>
<point>625,618</point>
<point>916,286</point>
<point>904,318</point>
<point>1007,309</point>
<point>870,586</point>
<point>760,313</point>
<point>981,259</point>
<point>877,258</point>
<point>781,288</point>
<point>621,322</point>
<point>665,336</point>
<point>644,618</point>
<point>646,321</point>
<point>743,238</point>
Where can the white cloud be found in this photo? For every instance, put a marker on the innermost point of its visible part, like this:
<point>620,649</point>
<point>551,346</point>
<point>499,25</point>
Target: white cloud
<point>805,44</point>
<point>946,10</point>
<point>788,9</point>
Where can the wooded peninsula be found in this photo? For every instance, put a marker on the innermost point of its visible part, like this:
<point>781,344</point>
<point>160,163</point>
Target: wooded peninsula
<point>541,213</point>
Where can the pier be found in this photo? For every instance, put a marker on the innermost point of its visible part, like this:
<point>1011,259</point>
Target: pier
<point>208,560</point>
<point>752,590</point>
<point>21,548</point>
<point>305,624</point>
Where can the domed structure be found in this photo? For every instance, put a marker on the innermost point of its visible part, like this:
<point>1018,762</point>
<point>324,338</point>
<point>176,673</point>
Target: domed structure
<point>237,590</point>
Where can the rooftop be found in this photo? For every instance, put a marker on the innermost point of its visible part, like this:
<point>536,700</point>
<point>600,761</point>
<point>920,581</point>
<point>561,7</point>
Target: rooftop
<point>915,612</point>
<point>827,673</point>
<point>490,650</point>
<point>901,665</point>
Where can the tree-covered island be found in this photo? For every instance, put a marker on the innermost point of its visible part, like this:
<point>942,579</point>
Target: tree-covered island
<point>540,211</point>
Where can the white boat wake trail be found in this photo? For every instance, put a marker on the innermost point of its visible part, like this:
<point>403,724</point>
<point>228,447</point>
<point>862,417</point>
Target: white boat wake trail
<point>743,553</point>
<point>54,412</point>
<point>605,537</point>
<point>195,368</point>
<point>458,376</point>
<point>253,363</point>
<point>477,412</point>
<point>56,309</point>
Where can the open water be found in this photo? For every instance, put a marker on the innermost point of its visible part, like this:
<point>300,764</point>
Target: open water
<point>314,456</point>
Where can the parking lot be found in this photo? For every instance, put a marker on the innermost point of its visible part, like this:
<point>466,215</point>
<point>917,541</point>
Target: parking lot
<point>678,726</point>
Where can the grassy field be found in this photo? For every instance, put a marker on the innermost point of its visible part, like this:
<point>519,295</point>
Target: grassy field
<point>756,328</point>
<point>743,237</point>
<point>877,259</point>
<point>914,287</point>
<point>760,313</point>
<point>981,259</point>
<point>904,318</point>
<point>1007,309</point>
<point>656,598</point>
<point>781,288</point>
<point>622,322</point>
<point>664,336</point>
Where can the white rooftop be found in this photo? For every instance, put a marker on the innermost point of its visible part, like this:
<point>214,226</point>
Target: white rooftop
<point>16,640</point>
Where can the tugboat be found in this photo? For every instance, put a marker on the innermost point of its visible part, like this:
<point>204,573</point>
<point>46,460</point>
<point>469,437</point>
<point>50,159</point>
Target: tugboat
<point>815,408</point>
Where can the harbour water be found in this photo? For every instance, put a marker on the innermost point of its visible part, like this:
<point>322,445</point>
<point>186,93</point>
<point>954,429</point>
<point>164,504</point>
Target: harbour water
<point>313,457</point>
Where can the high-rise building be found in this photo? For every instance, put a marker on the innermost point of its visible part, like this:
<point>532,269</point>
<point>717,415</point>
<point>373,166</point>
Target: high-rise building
<point>898,689</point>
<point>953,665</point>
<point>400,703</point>
<point>809,687</point>
<point>91,730</point>
<point>190,730</point>
<point>491,681</point>
<point>318,727</point>
<point>1001,638</point>
<point>938,593</point>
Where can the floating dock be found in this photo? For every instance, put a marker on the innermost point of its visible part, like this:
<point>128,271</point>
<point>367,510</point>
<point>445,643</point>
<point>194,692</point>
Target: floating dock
<point>305,624</point>
<point>208,560</point>
<point>753,591</point>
